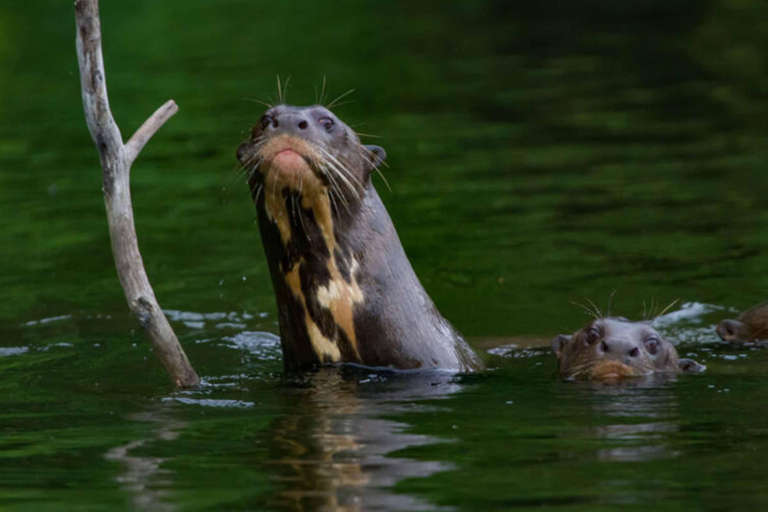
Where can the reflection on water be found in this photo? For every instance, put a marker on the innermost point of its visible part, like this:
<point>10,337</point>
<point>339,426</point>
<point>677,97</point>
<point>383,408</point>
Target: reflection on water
<point>332,451</point>
<point>639,399</point>
<point>332,447</point>
<point>143,477</point>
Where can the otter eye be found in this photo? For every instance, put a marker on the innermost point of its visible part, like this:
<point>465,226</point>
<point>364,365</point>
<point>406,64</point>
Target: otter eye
<point>326,122</point>
<point>591,335</point>
<point>266,121</point>
<point>652,345</point>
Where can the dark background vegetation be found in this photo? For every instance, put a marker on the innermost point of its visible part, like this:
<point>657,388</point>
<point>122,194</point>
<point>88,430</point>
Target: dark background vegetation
<point>568,148</point>
<point>539,153</point>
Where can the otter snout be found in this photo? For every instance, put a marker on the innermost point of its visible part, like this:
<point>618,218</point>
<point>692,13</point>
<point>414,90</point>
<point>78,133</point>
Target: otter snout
<point>316,124</point>
<point>619,349</point>
<point>729,330</point>
<point>294,123</point>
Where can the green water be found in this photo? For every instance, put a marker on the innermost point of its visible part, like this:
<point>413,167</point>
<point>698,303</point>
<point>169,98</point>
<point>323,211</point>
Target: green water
<point>538,155</point>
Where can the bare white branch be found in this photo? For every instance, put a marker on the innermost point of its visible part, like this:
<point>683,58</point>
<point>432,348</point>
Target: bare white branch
<point>145,132</point>
<point>116,160</point>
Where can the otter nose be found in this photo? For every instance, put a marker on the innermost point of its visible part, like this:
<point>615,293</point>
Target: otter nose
<point>290,124</point>
<point>620,348</point>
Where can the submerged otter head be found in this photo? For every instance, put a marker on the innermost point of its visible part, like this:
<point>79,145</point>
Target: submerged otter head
<point>614,348</point>
<point>751,325</point>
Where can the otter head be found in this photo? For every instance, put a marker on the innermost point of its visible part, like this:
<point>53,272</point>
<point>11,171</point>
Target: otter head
<point>751,325</point>
<point>613,348</point>
<point>309,177</point>
<point>310,153</point>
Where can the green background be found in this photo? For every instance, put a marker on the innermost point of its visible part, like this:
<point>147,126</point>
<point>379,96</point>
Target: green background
<point>538,155</point>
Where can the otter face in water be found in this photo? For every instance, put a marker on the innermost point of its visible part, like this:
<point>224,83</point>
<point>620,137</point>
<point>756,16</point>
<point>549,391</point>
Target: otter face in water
<point>344,287</point>
<point>309,152</point>
<point>614,348</point>
<point>751,325</point>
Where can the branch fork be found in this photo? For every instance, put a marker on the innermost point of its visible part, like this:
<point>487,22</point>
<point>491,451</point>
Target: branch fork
<point>116,160</point>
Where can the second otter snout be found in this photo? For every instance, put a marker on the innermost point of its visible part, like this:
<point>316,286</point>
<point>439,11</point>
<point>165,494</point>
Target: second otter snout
<point>620,349</point>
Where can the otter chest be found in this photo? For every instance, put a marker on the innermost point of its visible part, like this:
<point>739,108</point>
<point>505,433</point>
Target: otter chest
<point>318,274</point>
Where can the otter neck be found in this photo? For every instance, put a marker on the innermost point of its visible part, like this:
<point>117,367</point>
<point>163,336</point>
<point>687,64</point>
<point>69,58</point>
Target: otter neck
<point>313,275</point>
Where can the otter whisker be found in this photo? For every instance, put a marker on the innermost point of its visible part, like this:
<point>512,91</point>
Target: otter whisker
<point>652,308</point>
<point>285,89</point>
<point>576,370</point>
<point>253,170</point>
<point>334,206</point>
<point>301,217</point>
<point>296,212</point>
<point>319,101</point>
<point>259,188</point>
<point>252,165</point>
<point>246,168</point>
<point>336,196</point>
<point>377,162</point>
<point>331,172</point>
<point>344,173</point>
<point>293,197</point>
<point>610,300</point>
<point>274,185</point>
<point>251,156</point>
<point>268,105</point>
<point>587,310</point>
<point>343,103</point>
<point>383,178</point>
<point>236,172</point>
<point>335,188</point>
<point>334,102</point>
<point>597,309</point>
<point>668,307</point>
<point>331,168</point>
<point>335,201</point>
<point>377,159</point>
<point>341,167</point>
<point>296,203</point>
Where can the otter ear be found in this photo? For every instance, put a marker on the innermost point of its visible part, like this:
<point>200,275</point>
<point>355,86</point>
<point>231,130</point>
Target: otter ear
<point>376,155</point>
<point>559,342</point>
<point>690,366</point>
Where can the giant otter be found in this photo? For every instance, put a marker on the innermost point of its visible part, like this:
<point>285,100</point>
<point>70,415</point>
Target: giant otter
<point>751,325</point>
<point>612,348</point>
<point>345,290</point>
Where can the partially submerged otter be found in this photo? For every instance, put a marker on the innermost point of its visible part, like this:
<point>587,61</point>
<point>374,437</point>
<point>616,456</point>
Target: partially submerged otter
<point>613,348</point>
<point>345,290</point>
<point>751,325</point>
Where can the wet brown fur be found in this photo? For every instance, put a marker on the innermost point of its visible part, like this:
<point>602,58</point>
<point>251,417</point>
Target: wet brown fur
<point>344,287</point>
<point>750,325</point>
<point>613,348</point>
